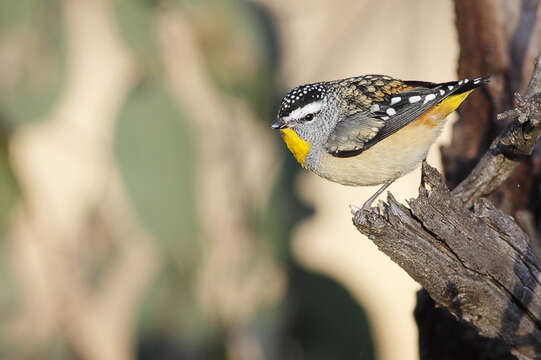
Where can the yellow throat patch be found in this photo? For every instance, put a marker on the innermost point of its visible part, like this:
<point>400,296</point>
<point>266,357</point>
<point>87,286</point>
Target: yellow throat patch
<point>298,147</point>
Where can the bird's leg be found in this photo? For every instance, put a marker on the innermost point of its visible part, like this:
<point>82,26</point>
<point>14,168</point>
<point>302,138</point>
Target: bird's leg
<point>369,202</point>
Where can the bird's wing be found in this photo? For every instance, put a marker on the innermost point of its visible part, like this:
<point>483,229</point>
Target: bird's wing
<point>353,133</point>
<point>358,132</point>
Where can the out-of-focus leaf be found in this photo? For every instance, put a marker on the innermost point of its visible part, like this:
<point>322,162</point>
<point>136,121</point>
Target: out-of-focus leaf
<point>135,19</point>
<point>240,48</point>
<point>326,322</point>
<point>14,13</point>
<point>9,296</point>
<point>156,157</point>
<point>8,193</point>
<point>32,59</point>
<point>155,154</point>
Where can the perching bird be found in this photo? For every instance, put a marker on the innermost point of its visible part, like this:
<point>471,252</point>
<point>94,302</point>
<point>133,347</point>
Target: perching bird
<point>367,130</point>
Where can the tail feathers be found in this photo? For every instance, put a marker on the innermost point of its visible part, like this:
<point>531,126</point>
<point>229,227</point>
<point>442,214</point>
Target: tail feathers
<point>452,87</point>
<point>464,85</point>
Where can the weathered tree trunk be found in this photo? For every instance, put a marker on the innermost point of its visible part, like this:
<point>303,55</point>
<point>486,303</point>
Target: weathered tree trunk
<point>500,39</point>
<point>479,264</point>
<point>505,41</point>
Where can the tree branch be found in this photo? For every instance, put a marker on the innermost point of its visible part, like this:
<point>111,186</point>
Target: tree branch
<point>477,264</point>
<point>509,148</point>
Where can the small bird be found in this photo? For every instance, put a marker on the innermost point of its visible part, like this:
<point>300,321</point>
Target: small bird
<point>367,130</point>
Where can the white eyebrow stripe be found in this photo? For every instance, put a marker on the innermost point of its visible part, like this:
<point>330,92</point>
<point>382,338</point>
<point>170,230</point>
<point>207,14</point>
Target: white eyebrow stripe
<point>301,112</point>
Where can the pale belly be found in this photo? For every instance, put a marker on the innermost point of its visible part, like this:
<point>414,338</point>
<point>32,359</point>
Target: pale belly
<point>389,159</point>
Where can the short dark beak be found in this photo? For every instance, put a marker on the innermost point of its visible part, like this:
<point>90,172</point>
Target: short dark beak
<point>278,124</point>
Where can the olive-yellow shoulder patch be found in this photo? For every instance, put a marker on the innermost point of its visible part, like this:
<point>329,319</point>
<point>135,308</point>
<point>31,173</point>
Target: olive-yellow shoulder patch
<point>298,147</point>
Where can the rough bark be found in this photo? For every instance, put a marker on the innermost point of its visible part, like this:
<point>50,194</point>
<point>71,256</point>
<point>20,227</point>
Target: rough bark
<point>442,337</point>
<point>500,39</point>
<point>516,143</point>
<point>477,263</point>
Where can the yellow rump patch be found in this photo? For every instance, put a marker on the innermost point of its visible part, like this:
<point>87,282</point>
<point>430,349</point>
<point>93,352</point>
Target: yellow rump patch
<point>298,147</point>
<point>439,112</point>
<point>452,102</point>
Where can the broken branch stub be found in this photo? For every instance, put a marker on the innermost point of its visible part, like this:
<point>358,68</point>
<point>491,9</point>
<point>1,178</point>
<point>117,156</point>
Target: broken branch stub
<point>478,265</point>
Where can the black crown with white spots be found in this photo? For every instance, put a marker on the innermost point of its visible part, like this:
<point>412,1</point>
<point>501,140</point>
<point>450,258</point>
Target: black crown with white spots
<point>300,96</point>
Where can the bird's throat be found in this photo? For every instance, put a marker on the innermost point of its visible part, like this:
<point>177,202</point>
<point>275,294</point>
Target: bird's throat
<point>298,147</point>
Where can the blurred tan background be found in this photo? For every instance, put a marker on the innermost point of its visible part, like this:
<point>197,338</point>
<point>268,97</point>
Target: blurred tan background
<point>148,211</point>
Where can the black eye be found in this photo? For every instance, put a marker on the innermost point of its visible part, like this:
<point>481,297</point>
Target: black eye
<point>308,117</point>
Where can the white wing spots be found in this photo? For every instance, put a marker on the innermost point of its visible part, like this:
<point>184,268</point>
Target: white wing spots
<point>384,118</point>
<point>390,111</point>
<point>429,97</point>
<point>414,99</point>
<point>301,112</point>
<point>442,92</point>
<point>460,82</point>
<point>476,81</point>
<point>466,81</point>
<point>395,100</point>
<point>450,87</point>
<point>374,108</point>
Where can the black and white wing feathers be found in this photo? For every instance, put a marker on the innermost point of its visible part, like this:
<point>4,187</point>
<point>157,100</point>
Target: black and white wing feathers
<point>358,132</point>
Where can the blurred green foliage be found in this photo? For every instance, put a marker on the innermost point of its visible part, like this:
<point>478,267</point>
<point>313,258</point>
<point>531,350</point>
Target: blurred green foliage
<point>33,32</point>
<point>156,155</point>
<point>16,13</point>
<point>136,23</point>
<point>154,149</point>
<point>327,321</point>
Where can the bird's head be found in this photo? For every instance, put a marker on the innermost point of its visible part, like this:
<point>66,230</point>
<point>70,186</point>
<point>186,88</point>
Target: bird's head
<point>307,111</point>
